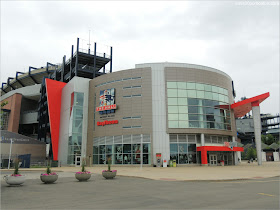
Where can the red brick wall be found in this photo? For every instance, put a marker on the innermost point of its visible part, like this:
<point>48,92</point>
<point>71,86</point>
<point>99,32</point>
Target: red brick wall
<point>14,104</point>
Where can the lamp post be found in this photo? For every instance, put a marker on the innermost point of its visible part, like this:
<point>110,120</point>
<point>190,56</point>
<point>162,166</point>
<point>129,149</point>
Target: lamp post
<point>10,153</point>
<point>141,151</point>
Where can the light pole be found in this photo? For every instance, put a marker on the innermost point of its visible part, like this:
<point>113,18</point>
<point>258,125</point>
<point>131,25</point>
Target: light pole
<point>10,153</point>
<point>141,151</point>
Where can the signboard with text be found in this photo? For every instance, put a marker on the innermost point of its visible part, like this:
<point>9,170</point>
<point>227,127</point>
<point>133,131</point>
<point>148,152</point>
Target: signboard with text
<point>107,101</point>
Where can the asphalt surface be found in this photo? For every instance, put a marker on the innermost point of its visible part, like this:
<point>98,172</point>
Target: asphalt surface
<point>138,193</point>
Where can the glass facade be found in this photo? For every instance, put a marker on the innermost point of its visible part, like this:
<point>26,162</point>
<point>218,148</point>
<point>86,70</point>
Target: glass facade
<point>197,105</point>
<point>75,127</point>
<point>126,149</point>
<point>183,148</point>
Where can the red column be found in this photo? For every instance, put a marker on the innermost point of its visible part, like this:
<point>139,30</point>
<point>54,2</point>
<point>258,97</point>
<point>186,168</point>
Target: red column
<point>54,92</point>
<point>204,156</point>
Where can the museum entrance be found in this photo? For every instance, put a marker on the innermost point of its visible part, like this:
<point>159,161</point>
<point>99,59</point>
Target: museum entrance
<point>215,158</point>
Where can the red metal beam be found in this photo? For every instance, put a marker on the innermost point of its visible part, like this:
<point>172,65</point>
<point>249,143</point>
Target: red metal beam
<point>243,107</point>
<point>54,91</point>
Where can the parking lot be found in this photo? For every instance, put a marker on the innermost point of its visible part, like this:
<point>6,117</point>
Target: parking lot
<point>139,193</point>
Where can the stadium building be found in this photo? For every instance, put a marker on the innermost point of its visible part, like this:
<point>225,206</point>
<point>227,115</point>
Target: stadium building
<point>151,114</point>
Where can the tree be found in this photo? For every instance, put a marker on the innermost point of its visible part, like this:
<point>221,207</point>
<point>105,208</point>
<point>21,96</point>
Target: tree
<point>267,139</point>
<point>251,153</point>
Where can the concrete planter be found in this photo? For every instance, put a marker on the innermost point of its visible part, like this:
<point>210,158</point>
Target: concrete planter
<point>14,180</point>
<point>109,174</point>
<point>48,179</point>
<point>83,177</point>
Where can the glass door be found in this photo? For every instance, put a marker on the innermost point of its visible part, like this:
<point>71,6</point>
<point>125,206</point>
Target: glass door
<point>225,158</point>
<point>78,161</point>
<point>213,160</point>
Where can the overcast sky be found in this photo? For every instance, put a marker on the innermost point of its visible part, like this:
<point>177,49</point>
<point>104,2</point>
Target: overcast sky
<point>241,40</point>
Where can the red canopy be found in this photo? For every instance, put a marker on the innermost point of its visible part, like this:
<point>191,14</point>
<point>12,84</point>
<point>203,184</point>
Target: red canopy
<point>243,107</point>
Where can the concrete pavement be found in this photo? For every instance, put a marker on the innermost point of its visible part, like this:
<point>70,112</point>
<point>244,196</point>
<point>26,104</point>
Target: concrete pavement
<point>185,173</point>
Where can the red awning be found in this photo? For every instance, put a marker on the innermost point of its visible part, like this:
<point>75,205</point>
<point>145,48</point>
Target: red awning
<point>243,107</point>
<point>220,148</point>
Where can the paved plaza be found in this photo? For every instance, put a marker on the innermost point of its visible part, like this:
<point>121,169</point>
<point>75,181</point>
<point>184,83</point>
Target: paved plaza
<point>150,188</point>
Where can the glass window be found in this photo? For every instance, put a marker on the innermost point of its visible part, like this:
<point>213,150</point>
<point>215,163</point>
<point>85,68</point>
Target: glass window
<point>221,97</point>
<point>172,116</point>
<point>192,101</point>
<point>191,93</point>
<point>226,99</point>
<point>109,149</point>
<point>207,103</point>
<point>182,138</point>
<point>95,150</point>
<point>183,148</point>
<point>146,159</point>
<point>173,138</point>
<point>215,96</point>
<point>200,94</point>
<point>172,92</point>
<point>192,158</point>
<point>182,101</point>
<point>101,149</point>
<point>172,109</point>
<point>126,158</point>
<point>172,101</point>
<point>136,78</point>
<point>137,95</point>
<point>183,109</point>
<point>171,85</point>
<point>127,87</point>
<point>174,148</point>
<point>209,95</point>
<point>194,124</point>
<point>226,92</point>
<point>137,148</point>
<point>191,148</point>
<point>79,99</point>
<point>95,159</point>
<point>118,158</point>
<point>191,138</point>
<point>191,85</point>
<point>146,148</point>
<point>182,93</point>
<point>136,117</point>
<point>183,124</point>
<point>183,116</point>
<point>215,89</point>
<point>182,85</point>
<point>221,90</point>
<point>208,88</point>
<point>199,86</point>
<point>193,117</point>
<point>127,148</point>
<point>118,148</point>
<point>174,157</point>
<point>173,124</point>
<point>193,109</point>
<point>102,159</point>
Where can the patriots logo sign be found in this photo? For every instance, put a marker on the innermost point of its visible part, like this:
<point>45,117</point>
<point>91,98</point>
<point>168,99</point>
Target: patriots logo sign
<point>107,101</point>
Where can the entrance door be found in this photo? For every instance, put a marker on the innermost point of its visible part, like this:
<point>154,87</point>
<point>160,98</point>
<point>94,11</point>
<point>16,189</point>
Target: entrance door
<point>213,160</point>
<point>78,161</point>
<point>225,158</point>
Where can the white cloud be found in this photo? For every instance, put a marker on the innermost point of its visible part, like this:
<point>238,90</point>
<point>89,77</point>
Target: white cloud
<point>242,41</point>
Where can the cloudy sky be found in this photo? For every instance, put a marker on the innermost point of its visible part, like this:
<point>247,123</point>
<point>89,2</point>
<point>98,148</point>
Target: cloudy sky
<point>232,36</point>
